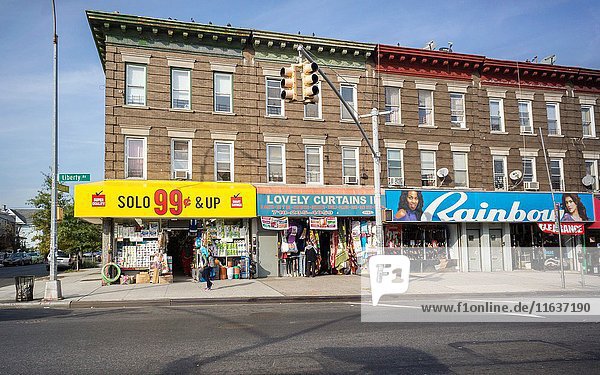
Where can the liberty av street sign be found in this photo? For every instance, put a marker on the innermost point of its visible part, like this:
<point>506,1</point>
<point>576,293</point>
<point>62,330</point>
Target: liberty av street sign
<point>73,177</point>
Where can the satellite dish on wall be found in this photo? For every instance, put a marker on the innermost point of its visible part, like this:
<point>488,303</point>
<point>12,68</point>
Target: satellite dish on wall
<point>587,180</point>
<point>515,175</point>
<point>442,172</point>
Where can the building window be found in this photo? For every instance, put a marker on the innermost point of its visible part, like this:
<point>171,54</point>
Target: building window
<point>181,158</point>
<point>428,168</point>
<point>425,108</point>
<point>556,173</point>
<point>392,103</point>
<point>314,164</point>
<point>274,101</point>
<point>500,173</point>
<point>395,166</point>
<point>348,93</point>
<point>591,168</point>
<point>461,169</point>
<point>224,161</point>
<point>587,119</point>
<point>457,110</point>
<point>135,92</point>
<point>180,88</point>
<point>529,174</point>
<point>314,110</point>
<point>350,165</point>
<point>553,114</point>
<point>525,119</point>
<point>496,115</point>
<point>135,157</point>
<point>223,88</point>
<point>276,163</point>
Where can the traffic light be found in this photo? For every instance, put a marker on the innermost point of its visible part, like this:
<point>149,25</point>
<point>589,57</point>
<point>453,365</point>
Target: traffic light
<point>310,82</point>
<point>288,83</point>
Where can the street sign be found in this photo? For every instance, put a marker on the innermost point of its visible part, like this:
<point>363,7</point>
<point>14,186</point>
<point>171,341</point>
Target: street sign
<point>63,188</point>
<point>73,177</point>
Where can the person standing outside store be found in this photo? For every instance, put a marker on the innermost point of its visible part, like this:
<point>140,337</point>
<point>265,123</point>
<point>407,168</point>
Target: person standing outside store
<point>311,260</point>
<point>205,264</point>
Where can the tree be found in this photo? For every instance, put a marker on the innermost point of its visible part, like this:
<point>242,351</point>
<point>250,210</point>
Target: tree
<point>73,233</point>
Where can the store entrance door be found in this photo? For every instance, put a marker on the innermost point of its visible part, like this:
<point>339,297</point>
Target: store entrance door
<point>474,250</point>
<point>325,249</point>
<point>268,262</point>
<point>497,250</point>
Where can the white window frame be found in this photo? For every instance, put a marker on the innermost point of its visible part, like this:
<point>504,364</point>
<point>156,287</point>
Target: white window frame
<point>434,179</point>
<point>401,152</point>
<point>189,157</point>
<point>277,84</point>
<point>464,168</point>
<point>319,105</point>
<point>353,104</point>
<point>463,123</point>
<point>128,87</point>
<point>500,114</point>
<point>231,160</point>
<point>557,119</point>
<point>429,116</point>
<point>320,149</point>
<point>593,172</point>
<point>529,118</point>
<point>144,157</point>
<point>533,168</point>
<point>502,175</point>
<point>395,117</point>
<point>270,162</point>
<point>356,164</point>
<point>188,91</point>
<point>592,124</point>
<point>218,75</point>
<point>562,173</point>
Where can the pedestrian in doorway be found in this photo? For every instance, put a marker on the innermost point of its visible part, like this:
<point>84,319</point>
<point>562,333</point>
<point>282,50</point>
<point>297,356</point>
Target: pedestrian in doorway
<point>205,265</point>
<point>311,260</point>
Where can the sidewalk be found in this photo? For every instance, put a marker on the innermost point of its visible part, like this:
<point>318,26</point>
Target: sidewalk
<point>83,289</point>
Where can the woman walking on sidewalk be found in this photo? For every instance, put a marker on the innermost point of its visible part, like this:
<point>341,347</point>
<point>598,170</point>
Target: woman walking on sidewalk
<point>205,265</point>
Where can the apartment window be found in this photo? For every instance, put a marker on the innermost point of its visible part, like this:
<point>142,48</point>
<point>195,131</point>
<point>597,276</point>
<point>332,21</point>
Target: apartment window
<point>525,119</point>
<point>553,114</point>
<point>350,165</point>
<point>394,163</point>
<point>180,88</point>
<point>135,157</point>
<point>428,168</point>
<point>314,110</point>
<point>461,169</point>
<point>275,163</point>
<point>500,172</point>
<point>457,110</point>
<point>529,174</point>
<point>223,88</point>
<point>392,103</point>
<point>349,95</point>
<point>556,174</point>
<point>224,161</point>
<point>314,164</point>
<point>425,108</point>
<point>496,115</point>
<point>135,92</point>
<point>587,119</point>
<point>181,158</point>
<point>591,168</point>
<point>274,101</point>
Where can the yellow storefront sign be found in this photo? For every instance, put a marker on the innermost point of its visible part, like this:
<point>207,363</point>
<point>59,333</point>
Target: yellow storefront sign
<point>164,199</point>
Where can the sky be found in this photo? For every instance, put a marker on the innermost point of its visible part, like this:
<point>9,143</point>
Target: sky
<point>509,30</point>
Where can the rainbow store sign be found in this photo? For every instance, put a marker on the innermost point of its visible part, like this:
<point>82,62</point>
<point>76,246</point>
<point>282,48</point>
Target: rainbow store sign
<point>461,206</point>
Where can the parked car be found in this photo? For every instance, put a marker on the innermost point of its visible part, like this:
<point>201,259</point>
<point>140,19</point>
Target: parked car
<point>35,257</point>
<point>17,259</point>
<point>63,261</point>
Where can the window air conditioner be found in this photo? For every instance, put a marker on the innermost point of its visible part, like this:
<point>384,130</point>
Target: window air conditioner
<point>531,185</point>
<point>395,181</point>
<point>350,180</point>
<point>181,175</point>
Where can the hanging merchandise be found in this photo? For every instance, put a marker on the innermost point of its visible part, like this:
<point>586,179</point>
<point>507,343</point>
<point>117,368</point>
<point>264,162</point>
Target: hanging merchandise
<point>275,223</point>
<point>323,223</point>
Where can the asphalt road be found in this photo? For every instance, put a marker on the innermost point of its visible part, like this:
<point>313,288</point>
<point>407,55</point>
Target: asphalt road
<point>282,338</point>
<point>7,274</point>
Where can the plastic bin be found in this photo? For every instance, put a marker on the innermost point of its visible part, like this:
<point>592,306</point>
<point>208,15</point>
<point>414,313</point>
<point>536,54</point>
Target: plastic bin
<point>24,285</point>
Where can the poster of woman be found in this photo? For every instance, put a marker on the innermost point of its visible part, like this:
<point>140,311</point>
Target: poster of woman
<point>410,206</point>
<point>573,207</point>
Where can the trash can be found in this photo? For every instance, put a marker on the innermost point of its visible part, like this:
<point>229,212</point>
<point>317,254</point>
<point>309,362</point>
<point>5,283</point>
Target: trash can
<point>24,285</point>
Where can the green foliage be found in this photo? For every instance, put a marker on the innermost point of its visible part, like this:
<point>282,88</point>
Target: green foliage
<point>73,234</point>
